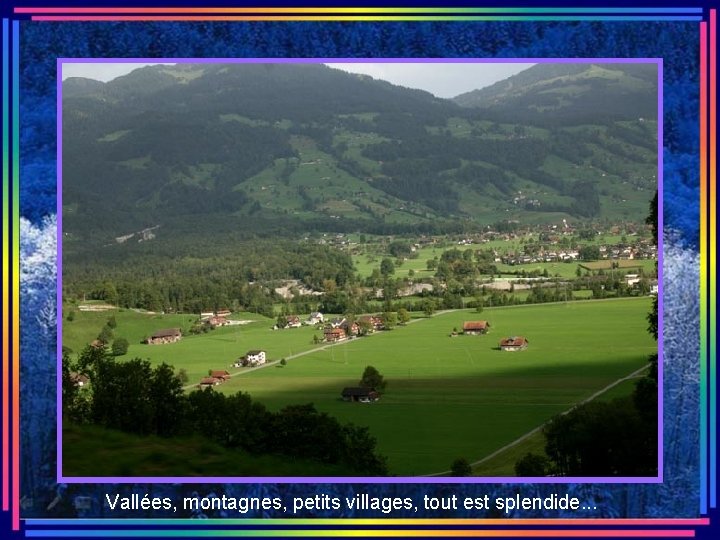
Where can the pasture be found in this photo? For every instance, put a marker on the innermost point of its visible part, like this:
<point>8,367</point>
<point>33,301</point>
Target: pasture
<point>197,354</point>
<point>450,397</point>
<point>447,397</point>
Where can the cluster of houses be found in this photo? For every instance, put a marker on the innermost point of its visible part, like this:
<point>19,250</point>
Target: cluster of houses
<point>173,335</point>
<point>643,250</point>
<point>252,358</point>
<point>340,329</point>
<point>549,256</point>
<point>293,321</point>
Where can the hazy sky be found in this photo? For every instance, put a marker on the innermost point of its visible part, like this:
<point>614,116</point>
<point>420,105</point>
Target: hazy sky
<point>441,79</point>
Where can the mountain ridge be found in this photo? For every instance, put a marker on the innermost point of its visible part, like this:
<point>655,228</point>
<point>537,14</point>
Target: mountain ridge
<point>316,147</point>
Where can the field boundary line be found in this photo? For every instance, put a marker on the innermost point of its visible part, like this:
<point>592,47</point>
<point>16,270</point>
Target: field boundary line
<point>532,432</point>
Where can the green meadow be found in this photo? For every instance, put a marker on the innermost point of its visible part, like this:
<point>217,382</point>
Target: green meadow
<point>503,464</point>
<point>197,354</point>
<point>450,397</point>
<point>446,397</point>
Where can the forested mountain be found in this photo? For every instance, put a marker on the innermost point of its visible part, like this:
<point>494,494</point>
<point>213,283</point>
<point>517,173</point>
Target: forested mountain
<point>210,151</point>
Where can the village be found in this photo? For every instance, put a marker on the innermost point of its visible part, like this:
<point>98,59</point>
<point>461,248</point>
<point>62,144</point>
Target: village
<point>335,330</point>
<point>526,244</point>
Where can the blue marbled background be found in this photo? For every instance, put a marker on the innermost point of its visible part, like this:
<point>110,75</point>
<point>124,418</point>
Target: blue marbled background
<point>676,43</point>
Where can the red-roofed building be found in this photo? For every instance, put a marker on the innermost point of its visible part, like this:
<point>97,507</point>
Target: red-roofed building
<point>335,334</point>
<point>516,343</point>
<point>222,375</point>
<point>474,328</point>
<point>209,382</point>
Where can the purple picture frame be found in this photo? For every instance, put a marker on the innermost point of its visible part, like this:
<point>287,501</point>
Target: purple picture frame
<point>359,479</point>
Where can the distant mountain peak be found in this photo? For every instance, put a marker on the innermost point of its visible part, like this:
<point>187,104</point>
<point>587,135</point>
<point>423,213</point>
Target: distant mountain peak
<point>620,90</point>
<point>81,86</point>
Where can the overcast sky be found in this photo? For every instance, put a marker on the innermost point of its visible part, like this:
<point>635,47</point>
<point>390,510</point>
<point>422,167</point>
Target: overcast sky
<point>441,79</point>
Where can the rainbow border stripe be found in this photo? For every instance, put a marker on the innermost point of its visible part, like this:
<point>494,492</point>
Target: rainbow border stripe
<point>265,528</point>
<point>319,528</point>
<point>11,271</point>
<point>713,259</point>
<point>5,266</point>
<point>361,14</point>
<point>708,264</point>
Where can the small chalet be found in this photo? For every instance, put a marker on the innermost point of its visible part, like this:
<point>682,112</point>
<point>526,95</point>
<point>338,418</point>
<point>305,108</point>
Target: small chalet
<point>516,343</point>
<point>223,313</point>
<point>168,335</point>
<point>205,315</point>
<point>209,382</point>
<point>475,328</point>
<point>221,375</point>
<point>334,334</point>
<point>316,317</point>
<point>97,344</point>
<point>359,394</point>
<point>293,321</point>
<point>79,379</point>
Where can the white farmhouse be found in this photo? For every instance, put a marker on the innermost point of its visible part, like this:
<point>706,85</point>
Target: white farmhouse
<point>316,317</point>
<point>255,358</point>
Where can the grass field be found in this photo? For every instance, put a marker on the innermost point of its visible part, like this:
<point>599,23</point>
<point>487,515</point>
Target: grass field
<point>460,397</point>
<point>446,397</point>
<point>503,464</point>
<point>197,354</point>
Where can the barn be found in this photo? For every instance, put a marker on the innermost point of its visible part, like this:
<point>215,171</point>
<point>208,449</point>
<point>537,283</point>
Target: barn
<point>515,343</point>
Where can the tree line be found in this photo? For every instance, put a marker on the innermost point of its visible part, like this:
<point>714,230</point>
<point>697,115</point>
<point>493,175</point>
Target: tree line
<point>134,397</point>
<point>239,279</point>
